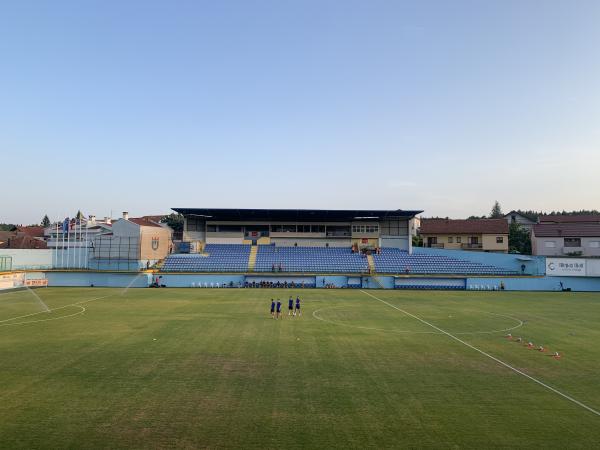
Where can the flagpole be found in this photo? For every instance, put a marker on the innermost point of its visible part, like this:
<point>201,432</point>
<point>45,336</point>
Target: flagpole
<point>62,253</point>
<point>87,246</point>
<point>78,242</point>
<point>69,244</point>
<point>56,247</point>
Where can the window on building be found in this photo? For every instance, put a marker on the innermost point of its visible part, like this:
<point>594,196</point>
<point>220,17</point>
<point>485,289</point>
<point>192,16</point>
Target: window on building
<point>303,228</point>
<point>572,242</point>
<point>594,244</point>
<point>549,244</point>
<point>394,227</point>
<point>474,240</point>
<point>450,239</point>
<point>458,239</point>
<point>317,228</point>
<point>230,228</point>
<point>499,239</point>
<point>211,228</point>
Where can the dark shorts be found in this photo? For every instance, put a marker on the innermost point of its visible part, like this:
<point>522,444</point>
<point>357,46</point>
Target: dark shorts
<point>272,310</point>
<point>290,307</point>
<point>297,306</point>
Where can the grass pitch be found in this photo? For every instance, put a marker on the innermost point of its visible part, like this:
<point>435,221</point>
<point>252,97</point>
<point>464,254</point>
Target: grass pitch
<point>196,368</point>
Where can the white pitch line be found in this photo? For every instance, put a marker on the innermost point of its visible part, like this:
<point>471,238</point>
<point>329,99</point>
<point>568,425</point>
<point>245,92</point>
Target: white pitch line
<point>508,366</point>
<point>55,309</point>
<point>45,320</point>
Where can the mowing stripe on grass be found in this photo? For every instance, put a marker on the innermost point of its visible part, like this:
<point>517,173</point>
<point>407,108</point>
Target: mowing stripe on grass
<point>514,369</point>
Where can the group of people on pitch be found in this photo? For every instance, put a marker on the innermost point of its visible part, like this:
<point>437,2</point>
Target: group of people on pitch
<point>292,310</point>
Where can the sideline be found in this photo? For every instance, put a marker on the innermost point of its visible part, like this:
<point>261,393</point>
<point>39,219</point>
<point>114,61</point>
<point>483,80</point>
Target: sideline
<point>514,369</point>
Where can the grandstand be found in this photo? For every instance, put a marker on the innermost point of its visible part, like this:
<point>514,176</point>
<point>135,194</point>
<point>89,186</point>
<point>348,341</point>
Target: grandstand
<point>392,261</point>
<point>314,242</point>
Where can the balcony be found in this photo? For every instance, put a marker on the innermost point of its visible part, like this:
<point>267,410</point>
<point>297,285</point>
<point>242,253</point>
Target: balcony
<point>435,245</point>
<point>477,246</point>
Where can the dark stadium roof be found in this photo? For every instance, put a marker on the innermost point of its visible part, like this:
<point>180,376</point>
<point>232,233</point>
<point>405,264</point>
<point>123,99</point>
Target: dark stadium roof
<point>293,215</point>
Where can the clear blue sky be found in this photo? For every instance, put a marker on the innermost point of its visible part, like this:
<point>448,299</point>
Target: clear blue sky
<point>443,106</point>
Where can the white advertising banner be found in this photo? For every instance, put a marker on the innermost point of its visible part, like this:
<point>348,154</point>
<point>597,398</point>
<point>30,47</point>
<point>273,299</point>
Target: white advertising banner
<point>12,280</point>
<point>566,267</point>
<point>593,267</point>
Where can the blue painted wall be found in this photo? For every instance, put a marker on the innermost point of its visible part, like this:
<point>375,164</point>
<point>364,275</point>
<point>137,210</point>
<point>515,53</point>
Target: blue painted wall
<point>537,284</point>
<point>181,280</point>
<point>454,282</point>
<point>139,280</point>
<point>97,279</point>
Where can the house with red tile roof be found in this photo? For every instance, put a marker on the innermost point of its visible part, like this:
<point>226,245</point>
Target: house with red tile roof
<point>580,237</point>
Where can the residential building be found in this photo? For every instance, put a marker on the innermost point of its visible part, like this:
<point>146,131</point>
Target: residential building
<point>581,237</point>
<point>488,235</point>
<point>523,220</point>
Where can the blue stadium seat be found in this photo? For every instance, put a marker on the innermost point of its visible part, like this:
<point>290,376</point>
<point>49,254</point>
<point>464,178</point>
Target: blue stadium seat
<point>218,258</point>
<point>392,260</point>
<point>310,259</point>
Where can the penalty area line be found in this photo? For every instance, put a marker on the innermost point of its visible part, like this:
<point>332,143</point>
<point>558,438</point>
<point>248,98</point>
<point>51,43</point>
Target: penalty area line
<point>508,366</point>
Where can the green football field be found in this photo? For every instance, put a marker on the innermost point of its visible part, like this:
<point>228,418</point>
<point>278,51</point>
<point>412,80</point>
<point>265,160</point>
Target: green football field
<point>210,368</point>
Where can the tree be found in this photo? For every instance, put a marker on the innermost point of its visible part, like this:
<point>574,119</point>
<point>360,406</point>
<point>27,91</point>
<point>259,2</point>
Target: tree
<point>175,221</point>
<point>496,211</point>
<point>79,215</point>
<point>519,240</point>
<point>45,221</point>
<point>417,240</point>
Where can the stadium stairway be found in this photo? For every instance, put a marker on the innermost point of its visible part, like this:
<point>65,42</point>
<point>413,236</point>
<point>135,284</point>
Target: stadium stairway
<point>371,263</point>
<point>377,280</point>
<point>158,265</point>
<point>374,276</point>
<point>252,258</point>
